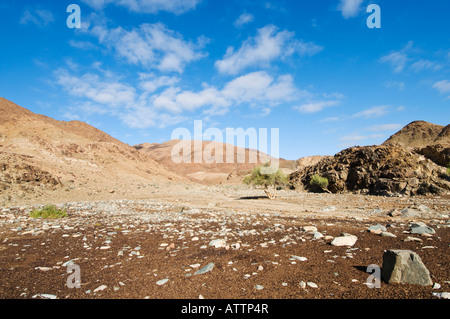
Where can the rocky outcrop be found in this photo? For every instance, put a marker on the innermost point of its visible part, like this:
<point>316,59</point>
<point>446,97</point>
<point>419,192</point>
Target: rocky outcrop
<point>24,174</point>
<point>438,153</point>
<point>377,170</point>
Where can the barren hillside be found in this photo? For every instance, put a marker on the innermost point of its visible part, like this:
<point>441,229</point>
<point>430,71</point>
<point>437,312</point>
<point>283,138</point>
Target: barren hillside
<point>211,168</point>
<point>39,154</point>
<point>419,134</point>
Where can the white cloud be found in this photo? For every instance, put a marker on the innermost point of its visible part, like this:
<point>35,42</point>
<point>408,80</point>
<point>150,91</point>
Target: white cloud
<point>372,112</point>
<point>423,64</point>
<point>442,86</point>
<point>83,45</point>
<point>385,127</point>
<point>38,17</point>
<point>409,58</point>
<point>150,45</point>
<point>90,86</point>
<point>144,106</point>
<point>151,82</point>
<point>396,84</point>
<point>256,89</point>
<point>330,119</point>
<point>349,8</point>
<point>397,60</point>
<point>316,103</point>
<point>243,19</point>
<point>268,45</point>
<point>315,106</point>
<point>147,6</point>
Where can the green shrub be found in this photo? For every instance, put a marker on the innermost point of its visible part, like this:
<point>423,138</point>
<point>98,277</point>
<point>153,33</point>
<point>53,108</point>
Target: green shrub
<point>448,170</point>
<point>49,211</point>
<point>256,178</point>
<point>319,181</point>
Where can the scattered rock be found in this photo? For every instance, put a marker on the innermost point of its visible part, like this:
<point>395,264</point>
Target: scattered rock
<point>395,213</point>
<point>404,267</point>
<point>441,295</point>
<point>162,282</point>
<point>409,212</point>
<point>100,288</point>
<point>218,243</point>
<point>309,229</point>
<point>409,238</point>
<point>318,235</point>
<point>388,234</point>
<point>421,228</point>
<point>377,227</point>
<point>46,296</point>
<point>299,258</point>
<point>344,240</point>
<point>205,269</point>
<point>312,284</point>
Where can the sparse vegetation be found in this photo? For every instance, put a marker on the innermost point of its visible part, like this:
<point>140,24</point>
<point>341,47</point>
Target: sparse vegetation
<point>49,211</point>
<point>448,169</point>
<point>319,182</point>
<point>265,181</point>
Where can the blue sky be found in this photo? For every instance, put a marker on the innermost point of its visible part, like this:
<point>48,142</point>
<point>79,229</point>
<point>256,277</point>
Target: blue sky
<point>139,69</point>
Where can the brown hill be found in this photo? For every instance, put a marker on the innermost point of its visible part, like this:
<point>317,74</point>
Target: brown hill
<point>212,168</point>
<point>39,154</point>
<point>419,134</point>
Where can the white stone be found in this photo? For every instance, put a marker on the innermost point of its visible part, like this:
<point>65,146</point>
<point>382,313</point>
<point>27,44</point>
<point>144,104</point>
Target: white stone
<point>346,240</point>
<point>218,243</point>
<point>312,285</point>
<point>100,288</point>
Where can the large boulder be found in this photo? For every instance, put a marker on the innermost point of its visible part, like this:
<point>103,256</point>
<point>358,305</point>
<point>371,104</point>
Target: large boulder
<point>404,267</point>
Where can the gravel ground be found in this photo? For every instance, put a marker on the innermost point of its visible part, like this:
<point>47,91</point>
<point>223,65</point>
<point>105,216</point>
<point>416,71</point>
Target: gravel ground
<point>150,249</point>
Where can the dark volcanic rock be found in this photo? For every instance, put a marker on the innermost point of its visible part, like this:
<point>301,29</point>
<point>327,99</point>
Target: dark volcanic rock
<point>377,170</point>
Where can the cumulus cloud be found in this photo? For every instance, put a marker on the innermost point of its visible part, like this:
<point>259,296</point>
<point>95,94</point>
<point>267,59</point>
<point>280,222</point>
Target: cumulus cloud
<point>268,45</point>
<point>257,88</point>
<point>158,101</point>
<point>91,86</point>
<point>150,45</point>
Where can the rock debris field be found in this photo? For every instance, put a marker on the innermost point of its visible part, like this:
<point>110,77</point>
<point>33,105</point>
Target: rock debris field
<point>151,249</point>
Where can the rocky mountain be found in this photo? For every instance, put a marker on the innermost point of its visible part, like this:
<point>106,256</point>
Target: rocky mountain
<point>420,134</point>
<point>410,162</point>
<point>39,154</point>
<point>430,140</point>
